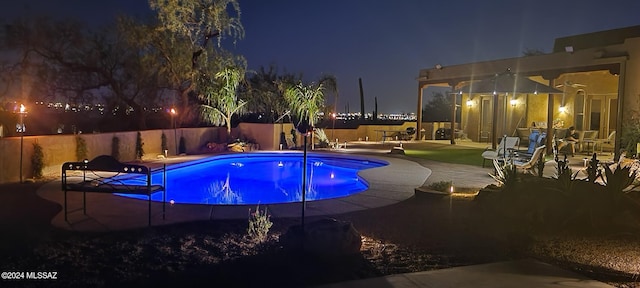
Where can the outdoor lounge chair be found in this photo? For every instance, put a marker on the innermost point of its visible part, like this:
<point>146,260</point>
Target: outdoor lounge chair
<point>506,144</point>
<point>529,164</point>
<point>609,143</point>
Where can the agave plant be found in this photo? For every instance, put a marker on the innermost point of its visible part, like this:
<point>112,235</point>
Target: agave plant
<point>322,138</point>
<point>506,174</point>
<point>617,181</point>
<point>565,177</point>
<point>593,172</point>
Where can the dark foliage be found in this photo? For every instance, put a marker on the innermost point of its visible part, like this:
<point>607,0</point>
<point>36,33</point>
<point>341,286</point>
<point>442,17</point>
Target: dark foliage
<point>115,147</point>
<point>37,160</point>
<point>139,146</point>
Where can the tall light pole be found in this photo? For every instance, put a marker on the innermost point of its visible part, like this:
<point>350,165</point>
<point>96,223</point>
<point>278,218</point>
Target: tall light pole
<point>20,128</point>
<point>173,123</point>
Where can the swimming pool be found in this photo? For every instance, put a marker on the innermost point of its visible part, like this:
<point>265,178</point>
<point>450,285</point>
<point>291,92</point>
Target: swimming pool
<point>263,178</point>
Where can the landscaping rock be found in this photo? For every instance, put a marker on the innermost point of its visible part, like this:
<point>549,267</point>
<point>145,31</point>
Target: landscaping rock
<point>397,150</point>
<point>325,238</point>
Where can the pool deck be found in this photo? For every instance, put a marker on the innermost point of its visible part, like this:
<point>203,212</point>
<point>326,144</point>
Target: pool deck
<point>388,185</point>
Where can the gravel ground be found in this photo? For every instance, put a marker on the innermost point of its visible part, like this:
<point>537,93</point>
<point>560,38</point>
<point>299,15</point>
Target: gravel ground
<point>414,235</point>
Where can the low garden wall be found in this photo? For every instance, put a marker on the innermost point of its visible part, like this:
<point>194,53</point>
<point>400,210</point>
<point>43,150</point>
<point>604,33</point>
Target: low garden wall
<point>58,149</point>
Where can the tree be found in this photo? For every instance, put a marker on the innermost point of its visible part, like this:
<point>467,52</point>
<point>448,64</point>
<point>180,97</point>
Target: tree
<point>64,60</point>
<point>305,102</point>
<point>221,98</point>
<point>180,41</point>
<point>438,109</point>
<point>265,93</point>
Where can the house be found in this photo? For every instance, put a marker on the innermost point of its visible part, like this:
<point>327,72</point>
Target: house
<point>597,76</point>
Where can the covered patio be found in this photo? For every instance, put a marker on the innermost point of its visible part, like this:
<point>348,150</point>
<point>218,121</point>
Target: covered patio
<point>586,89</point>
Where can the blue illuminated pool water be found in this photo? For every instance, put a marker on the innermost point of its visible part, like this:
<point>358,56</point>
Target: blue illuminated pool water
<point>263,178</point>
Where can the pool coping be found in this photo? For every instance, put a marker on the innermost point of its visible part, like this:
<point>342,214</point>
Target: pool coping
<point>388,185</point>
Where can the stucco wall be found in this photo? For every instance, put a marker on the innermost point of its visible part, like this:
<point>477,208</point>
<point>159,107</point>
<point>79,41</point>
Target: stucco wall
<point>58,149</point>
<point>62,148</point>
<point>631,106</point>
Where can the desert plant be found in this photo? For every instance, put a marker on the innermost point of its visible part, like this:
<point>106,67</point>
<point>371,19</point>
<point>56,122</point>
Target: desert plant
<point>37,160</point>
<point>617,181</point>
<point>442,186</point>
<point>183,145</point>
<point>505,174</point>
<point>593,172</point>
<point>259,225</point>
<point>81,148</point>
<point>220,97</point>
<point>139,146</point>
<point>115,147</point>
<point>565,176</point>
<point>163,142</point>
<point>323,141</point>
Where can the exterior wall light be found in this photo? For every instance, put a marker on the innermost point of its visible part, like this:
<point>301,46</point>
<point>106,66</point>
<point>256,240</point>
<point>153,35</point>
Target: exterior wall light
<point>469,103</point>
<point>563,109</point>
<point>513,102</point>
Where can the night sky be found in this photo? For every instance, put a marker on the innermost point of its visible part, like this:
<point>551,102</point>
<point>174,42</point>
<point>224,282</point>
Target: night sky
<point>385,43</point>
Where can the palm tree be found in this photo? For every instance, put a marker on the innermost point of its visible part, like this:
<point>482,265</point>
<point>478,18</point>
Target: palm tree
<point>220,100</point>
<point>306,101</point>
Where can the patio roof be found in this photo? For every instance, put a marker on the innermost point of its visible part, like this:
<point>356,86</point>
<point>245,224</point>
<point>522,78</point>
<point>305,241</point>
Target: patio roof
<point>508,82</point>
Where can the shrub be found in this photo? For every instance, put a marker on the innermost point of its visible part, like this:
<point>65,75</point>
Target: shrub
<point>321,137</point>
<point>115,147</point>
<point>259,225</point>
<point>81,148</point>
<point>506,174</point>
<point>139,146</point>
<point>617,181</point>
<point>183,145</point>
<point>37,161</point>
<point>163,142</point>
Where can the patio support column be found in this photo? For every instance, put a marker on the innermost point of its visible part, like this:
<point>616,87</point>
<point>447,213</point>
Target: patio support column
<point>419,112</point>
<point>550,107</point>
<point>453,118</point>
<point>494,121</point>
<point>621,96</point>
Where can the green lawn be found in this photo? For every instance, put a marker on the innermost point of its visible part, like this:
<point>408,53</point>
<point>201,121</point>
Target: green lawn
<point>469,156</point>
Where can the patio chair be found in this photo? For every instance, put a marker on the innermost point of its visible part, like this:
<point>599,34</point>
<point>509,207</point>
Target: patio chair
<point>609,143</point>
<point>588,141</point>
<point>507,144</point>
<point>536,139</point>
<point>523,134</point>
<point>529,164</point>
